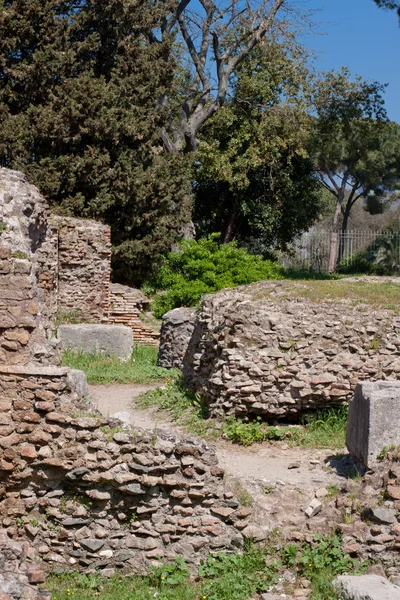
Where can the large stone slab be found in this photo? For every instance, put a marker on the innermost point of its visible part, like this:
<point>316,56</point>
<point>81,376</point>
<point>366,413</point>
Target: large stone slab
<point>176,332</point>
<point>112,340</point>
<point>374,417</point>
<point>366,587</point>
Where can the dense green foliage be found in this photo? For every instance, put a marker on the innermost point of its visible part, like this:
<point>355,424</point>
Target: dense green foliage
<point>100,369</point>
<point>205,266</point>
<point>222,576</point>
<point>79,115</point>
<point>356,151</point>
<point>255,181</point>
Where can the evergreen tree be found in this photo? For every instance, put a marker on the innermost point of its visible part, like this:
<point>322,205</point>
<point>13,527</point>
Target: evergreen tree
<point>79,83</point>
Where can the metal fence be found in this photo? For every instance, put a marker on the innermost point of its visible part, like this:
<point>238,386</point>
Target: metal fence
<point>358,251</point>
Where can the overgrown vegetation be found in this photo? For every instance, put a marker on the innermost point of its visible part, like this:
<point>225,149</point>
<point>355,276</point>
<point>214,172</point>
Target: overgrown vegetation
<point>183,406</point>
<point>100,369</point>
<point>221,576</point>
<point>321,429</point>
<point>206,266</point>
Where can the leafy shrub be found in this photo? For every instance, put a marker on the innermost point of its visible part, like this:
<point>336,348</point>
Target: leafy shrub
<point>250,433</point>
<point>206,266</point>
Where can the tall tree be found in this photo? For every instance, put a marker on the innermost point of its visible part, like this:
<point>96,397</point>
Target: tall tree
<point>356,150</point>
<point>216,38</point>
<point>78,82</point>
<point>255,181</point>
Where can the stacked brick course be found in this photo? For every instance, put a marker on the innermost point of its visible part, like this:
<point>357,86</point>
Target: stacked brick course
<point>126,306</point>
<point>84,255</point>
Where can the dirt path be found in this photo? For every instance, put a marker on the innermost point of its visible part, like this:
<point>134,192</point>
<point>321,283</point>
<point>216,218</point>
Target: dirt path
<point>264,464</point>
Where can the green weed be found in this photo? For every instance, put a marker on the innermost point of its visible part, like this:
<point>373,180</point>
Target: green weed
<point>100,369</point>
<point>221,576</point>
<point>322,429</point>
<point>247,433</point>
<point>183,406</point>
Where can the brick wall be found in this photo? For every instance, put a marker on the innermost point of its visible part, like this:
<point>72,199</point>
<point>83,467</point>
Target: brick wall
<point>84,255</point>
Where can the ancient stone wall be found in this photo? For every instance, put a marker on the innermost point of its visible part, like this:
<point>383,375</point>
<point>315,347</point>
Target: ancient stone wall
<point>88,493</point>
<point>26,262</point>
<point>84,255</point>
<point>127,306</point>
<point>19,575</point>
<point>258,350</point>
<point>85,491</point>
<point>176,331</point>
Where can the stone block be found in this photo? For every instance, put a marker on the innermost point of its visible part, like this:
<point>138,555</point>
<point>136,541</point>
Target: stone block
<point>366,587</point>
<point>176,332</point>
<point>111,340</point>
<point>374,417</point>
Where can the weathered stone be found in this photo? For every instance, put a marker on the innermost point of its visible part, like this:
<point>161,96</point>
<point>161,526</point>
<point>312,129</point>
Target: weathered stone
<point>386,516</point>
<point>91,544</point>
<point>176,331</point>
<point>313,508</point>
<point>366,587</point>
<point>111,340</point>
<point>373,416</point>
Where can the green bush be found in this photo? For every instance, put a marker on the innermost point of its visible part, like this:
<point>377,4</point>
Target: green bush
<point>249,433</point>
<point>205,266</point>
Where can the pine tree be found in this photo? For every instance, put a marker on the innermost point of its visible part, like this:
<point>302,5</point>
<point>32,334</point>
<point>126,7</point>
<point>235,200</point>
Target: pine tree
<point>79,114</point>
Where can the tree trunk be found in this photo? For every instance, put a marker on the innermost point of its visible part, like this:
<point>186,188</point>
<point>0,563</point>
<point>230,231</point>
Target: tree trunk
<point>344,229</point>
<point>229,231</point>
<point>334,236</point>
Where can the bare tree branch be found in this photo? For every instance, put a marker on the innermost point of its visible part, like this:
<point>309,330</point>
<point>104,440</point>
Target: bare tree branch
<point>230,34</point>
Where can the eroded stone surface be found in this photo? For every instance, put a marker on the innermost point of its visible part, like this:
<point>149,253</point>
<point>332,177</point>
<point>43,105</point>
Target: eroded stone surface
<point>257,350</point>
<point>111,340</point>
<point>367,587</point>
<point>81,479</point>
<point>176,331</point>
<point>374,415</point>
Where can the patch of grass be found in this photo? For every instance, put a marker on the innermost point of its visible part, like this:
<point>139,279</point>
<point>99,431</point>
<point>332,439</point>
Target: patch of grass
<point>19,254</point>
<point>184,407</point>
<point>322,429</point>
<point>221,576</point>
<point>333,491</point>
<point>71,317</point>
<point>359,292</point>
<point>100,369</point>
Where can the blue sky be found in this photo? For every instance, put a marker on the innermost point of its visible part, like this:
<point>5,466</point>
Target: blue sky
<point>362,37</point>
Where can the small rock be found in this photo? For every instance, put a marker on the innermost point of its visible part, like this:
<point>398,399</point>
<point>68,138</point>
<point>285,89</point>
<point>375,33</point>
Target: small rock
<point>313,508</point>
<point>92,545</point>
<point>294,465</point>
<point>386,516</point>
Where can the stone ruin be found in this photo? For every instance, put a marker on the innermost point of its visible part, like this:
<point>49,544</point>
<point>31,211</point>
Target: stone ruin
<point>85,491</point>
<point>260,350</point>
<point>73,258</point>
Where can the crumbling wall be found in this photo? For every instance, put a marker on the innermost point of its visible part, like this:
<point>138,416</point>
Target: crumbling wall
<point>176,332</point>
<point>26,261</point>
<point>84,258</point>
<point>127,306</point>
<point>88,493</point>
<point>257,350</point>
